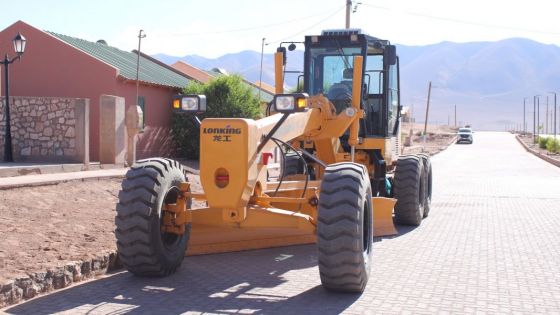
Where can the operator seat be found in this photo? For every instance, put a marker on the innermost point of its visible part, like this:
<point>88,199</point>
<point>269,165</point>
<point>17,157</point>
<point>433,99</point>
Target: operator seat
<point>340,94</point>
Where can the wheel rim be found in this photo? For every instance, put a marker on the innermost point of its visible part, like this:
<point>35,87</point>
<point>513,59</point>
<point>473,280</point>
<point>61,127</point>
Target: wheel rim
<point>169,240</point>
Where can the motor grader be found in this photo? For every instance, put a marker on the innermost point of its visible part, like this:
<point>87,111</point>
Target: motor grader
<point>340,181</point>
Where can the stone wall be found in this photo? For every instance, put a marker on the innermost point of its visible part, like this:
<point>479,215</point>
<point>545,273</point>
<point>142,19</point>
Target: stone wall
<point>47,129</point>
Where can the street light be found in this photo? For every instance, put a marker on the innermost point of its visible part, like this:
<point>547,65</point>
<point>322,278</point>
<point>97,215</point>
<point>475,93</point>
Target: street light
<point>535,98</point>
<point>554,113</point>
<point>524,114</point>
<point>19,47</point>
<point>260,72</point>
<point>140,36</point>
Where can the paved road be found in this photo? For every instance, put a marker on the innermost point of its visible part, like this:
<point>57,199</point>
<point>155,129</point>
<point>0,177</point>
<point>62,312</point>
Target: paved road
<point>490,245</point>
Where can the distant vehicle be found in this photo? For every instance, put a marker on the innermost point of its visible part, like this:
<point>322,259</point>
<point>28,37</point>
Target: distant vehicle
<point>465,135</point>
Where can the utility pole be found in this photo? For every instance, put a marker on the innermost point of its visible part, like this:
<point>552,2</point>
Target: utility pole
<point>538,116</point>
<point>524,123</point>
<point>427,110</point>
<point>348,8</point>
<point>455,123</point>
<point>546,121</point>
<point>260,75</point>
<point>534,118</point>
<point>140,36</point>
<point>554,115</point>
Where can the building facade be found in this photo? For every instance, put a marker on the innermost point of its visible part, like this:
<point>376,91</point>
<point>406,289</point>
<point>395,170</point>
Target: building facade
<point>56,65</point>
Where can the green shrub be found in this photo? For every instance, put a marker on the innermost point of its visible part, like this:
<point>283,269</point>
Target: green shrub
<point>542,142</point>
<point>226,96</point>
<point>553,145</point>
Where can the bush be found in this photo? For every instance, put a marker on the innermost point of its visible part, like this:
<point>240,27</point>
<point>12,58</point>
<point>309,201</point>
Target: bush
<point>226,96</point>
<point>542,142</point>
<point>553,145</point>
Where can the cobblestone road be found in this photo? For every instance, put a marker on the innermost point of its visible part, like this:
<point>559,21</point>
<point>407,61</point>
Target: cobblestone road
<point>490,245</point>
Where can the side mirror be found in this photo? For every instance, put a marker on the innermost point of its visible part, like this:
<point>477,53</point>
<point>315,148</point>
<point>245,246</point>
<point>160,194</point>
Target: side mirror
<point>391,54</point>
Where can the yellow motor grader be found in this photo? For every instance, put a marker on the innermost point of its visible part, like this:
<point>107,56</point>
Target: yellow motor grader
<point>342,174</point>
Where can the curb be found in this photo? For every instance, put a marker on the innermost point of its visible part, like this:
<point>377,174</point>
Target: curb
<point>24,288</point>
<point>537,154</point>
<point>23,181</point>
<point>447,145</point>
<point>44,182</point>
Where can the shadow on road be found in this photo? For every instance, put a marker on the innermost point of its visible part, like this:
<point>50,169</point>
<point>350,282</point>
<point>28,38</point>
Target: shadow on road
<point>401,229</point>
<point>251,281</point>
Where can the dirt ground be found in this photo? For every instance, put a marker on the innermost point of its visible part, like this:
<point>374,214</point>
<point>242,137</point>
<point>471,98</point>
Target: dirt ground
<point>49,226</point>
<point>438,136</point>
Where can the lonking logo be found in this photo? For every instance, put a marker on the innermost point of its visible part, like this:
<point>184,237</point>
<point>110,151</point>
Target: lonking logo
<point>222,131</point>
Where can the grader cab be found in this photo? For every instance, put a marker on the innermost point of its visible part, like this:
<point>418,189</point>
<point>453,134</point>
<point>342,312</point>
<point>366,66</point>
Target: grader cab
<point>340,181</point>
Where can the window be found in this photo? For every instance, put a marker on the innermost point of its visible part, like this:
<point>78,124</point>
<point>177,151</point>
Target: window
<point>393,97</point>
<point>374,74</point>
<point>331,67</point>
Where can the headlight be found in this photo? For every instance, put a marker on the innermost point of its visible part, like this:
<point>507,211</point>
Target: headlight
<point>289,103</point>
<point>190,103</point>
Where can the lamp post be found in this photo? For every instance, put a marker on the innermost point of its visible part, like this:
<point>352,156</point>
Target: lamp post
<point>535,118</point>
<point>554,128</point>
<point>140,36</point>
<point>19,46</point>
<point>260,72</point>
<point>538,116</point>
<point>524,114</point>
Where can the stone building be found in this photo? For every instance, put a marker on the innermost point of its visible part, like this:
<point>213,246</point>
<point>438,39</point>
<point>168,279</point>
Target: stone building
<point>57,68</point>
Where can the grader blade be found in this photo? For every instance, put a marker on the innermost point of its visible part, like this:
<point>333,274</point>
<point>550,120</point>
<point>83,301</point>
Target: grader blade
<point>383,216</point>
<point>263,228</point>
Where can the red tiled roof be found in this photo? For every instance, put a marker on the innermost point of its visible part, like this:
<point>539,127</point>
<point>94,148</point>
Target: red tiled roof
<point>265,87</point>
<point>191,72</point>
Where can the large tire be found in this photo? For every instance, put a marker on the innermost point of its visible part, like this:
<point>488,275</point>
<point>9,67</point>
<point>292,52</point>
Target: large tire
<point>409,190</point>
<point>427,182</point>
<point>143,248</point>
<point>345,228</point>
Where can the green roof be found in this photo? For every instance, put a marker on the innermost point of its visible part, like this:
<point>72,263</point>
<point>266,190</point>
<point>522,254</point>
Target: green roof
<point>125,62</point>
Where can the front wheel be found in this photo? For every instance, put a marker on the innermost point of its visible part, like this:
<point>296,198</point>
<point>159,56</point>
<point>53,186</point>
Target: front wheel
<point>345,228</point>
<point>143,247</point>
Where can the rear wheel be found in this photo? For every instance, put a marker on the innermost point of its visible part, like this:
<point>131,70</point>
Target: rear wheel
<point>427,182</point>
<point>345,228</point>
<point>143,248</point>
<point>409,190</point>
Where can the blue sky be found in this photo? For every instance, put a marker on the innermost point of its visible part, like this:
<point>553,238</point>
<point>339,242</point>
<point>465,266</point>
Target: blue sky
<point>213,28</point>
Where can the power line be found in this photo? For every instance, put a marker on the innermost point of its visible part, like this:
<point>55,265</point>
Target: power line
<point>482,24</point>
<point>252,28</point>
<point>459,21</point>
<point>308,28</point>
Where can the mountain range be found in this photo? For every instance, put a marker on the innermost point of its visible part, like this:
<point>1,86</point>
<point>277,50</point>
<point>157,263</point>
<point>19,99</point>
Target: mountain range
<point>486,80</point>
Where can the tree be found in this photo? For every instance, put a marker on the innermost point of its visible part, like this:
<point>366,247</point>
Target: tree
<point>226,96</point>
